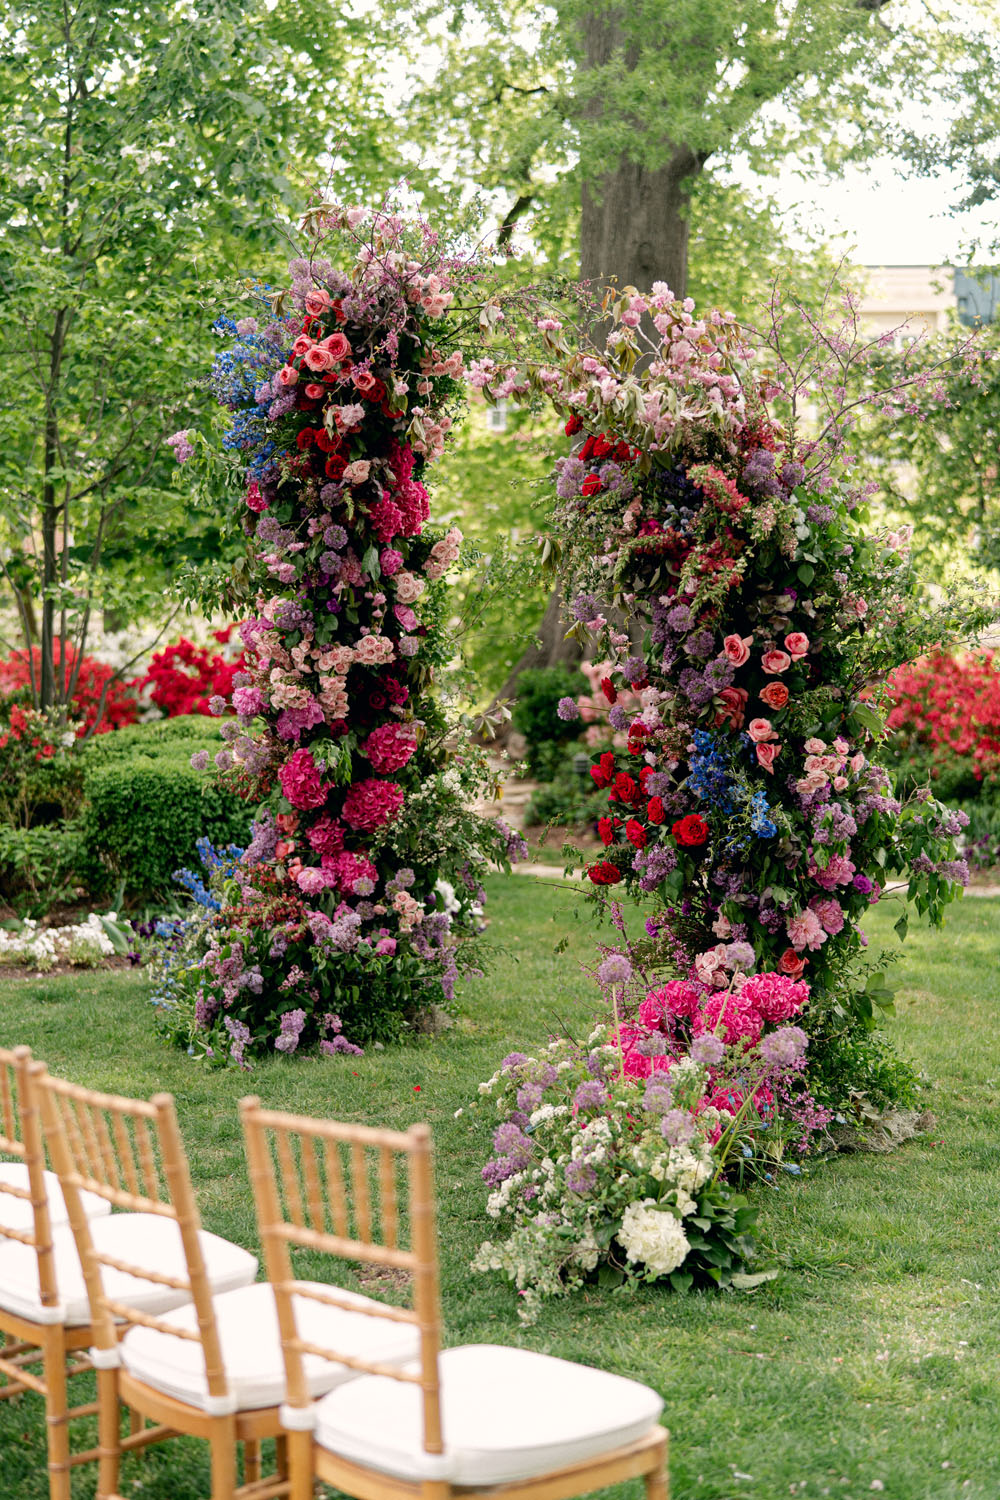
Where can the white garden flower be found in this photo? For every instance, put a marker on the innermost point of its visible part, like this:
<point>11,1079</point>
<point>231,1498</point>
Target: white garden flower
<point>653,1236</point>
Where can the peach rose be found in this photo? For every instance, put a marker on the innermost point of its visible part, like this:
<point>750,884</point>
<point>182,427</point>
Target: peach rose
<point>815,746</point>
<point>317,301</point>
<point>358,471</point>
<point>337,346</point>
<point>315,392</point>
<point>302,343</point>
<point>796,645</point>
<point>775,695</point>
<point>766,754</point>
<point>760,730</point>
<point>811,783</point>
<point>288,375</point>
<point>839,783</point>
<point>736,649</point>
<point>792,963</point>
<point>735,700</point>
<point>775,661</point>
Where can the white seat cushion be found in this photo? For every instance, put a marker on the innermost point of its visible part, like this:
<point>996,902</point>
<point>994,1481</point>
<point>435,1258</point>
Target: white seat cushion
<point>251,1347</point>
<point>145,1240</point>
<point>506,1414</point>
<point>15,1213</point>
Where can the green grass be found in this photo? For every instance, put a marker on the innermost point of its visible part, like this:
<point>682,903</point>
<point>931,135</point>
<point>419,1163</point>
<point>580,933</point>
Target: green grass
<point>872,1358</point>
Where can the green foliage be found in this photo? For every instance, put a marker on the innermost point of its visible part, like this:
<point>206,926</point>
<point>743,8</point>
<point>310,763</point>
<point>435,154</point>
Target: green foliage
<point>535,715</point>
<point>568,799</point>
<point>146,807</point>
<point>853,1067</point>
<point>39,867</point>
<point>143,153</point>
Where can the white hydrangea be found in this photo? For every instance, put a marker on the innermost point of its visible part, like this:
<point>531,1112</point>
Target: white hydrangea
<point>547,1112</point>
<point>499,1201</point>
<point>653,1236</point>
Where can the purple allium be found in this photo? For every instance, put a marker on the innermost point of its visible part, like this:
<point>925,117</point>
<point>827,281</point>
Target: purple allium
<point>677,1127</point>
<point>615,970</point>
<point>199,760</point>
<point>511,1061</point>
<point>590,1095</point>
<point>783,1048</point>
<point>708,1049</point>
<point>217,704</point>
<point>617,717</point>
<point>580,1177</point>
<point>658,1099</point>
<point>634,669</point>
<point>568,710</point>
<point>585,606</point>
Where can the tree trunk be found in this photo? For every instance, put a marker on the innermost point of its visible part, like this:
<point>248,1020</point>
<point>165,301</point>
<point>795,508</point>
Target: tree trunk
<point>633,228</point>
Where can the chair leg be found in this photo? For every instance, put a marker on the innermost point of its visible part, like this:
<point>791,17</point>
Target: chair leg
<point>223,1447</point>
<point>108,1433</point>
<point>251,1461</point>
<point>56,1409</point>
<point>281,1456</point>
<point>300,1465</point>
<point>657,1480</point>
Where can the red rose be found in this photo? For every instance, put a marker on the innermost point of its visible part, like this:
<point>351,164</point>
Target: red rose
<point>335,466</point>
<point>606,831</point>
<point>605,873</point>
<point>305,438</point>
<point>690,831</point>
<point>587,448</point>
<point>590,485</point>
<point>573,426</point>
<point>655,812</point>
<point>635,833</point>
<point>622,453</point>
<point>609,690</point>
<point>327,444</point>
<point>601,447</point>
<point>626,787</point>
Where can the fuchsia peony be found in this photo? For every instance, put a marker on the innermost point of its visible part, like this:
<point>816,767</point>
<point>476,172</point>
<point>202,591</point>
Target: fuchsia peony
<point>371,804</point>
<point>390,746</point>
<point>301,782</point>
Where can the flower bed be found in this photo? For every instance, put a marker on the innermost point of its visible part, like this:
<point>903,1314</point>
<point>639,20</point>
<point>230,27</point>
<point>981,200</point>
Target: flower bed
<point>82,945</point>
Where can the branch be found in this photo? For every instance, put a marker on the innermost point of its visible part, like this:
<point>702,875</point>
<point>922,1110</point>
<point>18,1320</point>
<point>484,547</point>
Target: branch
<point>520,206</point>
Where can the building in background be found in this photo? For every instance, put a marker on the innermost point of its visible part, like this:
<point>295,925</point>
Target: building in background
<point>927,297</point>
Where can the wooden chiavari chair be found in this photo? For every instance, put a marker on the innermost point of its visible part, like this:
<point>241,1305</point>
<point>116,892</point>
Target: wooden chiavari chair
<point>210,1368</point>
<point>480,1420</point>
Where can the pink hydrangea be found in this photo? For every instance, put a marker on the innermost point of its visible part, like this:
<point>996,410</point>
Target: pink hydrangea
<point>301,781</point>
<point>326,835</point>
<point>678,997</point>
<point>387,520</point>
<point>390,746</point>
<point>346,867</point>
<point>776,997</point>
<point>371,803</point>
<point>805,931</point>
<point>653,1010</point>
<point>248,701</point>
<point>732,1016</point>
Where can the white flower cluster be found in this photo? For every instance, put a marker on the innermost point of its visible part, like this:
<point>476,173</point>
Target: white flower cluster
<point>653,1236</point>
<point>84,944</point>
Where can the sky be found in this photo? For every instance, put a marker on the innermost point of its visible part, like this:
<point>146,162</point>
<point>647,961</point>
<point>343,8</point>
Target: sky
<point>890,218</point>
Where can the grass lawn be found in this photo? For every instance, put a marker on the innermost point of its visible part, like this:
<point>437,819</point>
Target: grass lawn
<point>871,1363</point>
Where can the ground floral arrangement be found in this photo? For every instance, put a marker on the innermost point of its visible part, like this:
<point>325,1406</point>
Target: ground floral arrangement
<point>358,901</point>
<point>81,945</point>
<point>724,569</point>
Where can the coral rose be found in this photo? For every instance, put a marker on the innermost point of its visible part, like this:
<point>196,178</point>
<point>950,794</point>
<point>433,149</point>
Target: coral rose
<point>735,700</point>
<point>792,963</point>
<point>766,755</point>
<point>760,730</point>
<point>796,645</point>
<point>337,346</point>
<point>775,695</point>
<point>774,662</point>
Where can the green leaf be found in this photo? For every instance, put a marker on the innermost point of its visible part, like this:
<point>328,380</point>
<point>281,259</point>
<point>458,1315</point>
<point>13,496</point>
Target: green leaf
<point>902,926</point>
<point>681,1281</point>
<point>868,719</point>
<point>806,573</point>
<point>746,1281</point>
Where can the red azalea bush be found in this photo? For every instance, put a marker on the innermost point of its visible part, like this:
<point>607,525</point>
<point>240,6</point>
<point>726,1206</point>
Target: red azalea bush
<point>185,677</point>
<point>945,717</point>
<point>94,679</point>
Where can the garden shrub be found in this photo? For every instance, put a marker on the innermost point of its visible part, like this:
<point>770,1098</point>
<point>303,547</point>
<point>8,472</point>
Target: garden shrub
<point>536,713</point>
<point>39,867</point>
<point>945,718</point>
<point>146,808</point>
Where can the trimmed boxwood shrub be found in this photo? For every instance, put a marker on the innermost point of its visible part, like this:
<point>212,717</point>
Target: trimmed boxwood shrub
<point>145,807</point>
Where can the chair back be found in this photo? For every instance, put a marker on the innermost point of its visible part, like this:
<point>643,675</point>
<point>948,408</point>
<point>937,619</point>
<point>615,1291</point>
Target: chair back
<point>21,1137</point>
<point>359,1194</point>
<point>131,1154</point>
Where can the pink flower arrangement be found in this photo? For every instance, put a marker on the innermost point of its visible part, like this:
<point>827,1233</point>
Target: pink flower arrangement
<point>301,781</point>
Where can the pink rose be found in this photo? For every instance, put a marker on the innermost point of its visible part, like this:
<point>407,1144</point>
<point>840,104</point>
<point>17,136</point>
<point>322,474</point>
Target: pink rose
<point>317,301</point>
<point>775,661</point>
<point>315,392</point>
<point>337,345</point>
<point>859,607</point>
<point>815,746</point>
<point>760,730</point>
<point>796,645</point>
<point>736,649</point>
<point>288,375</point>
<point>302,343</point>
<point>735,701</point>
<point>317,359</point>
<point>766,755</point>
<point>358,471</point>
<point>311,880</point>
